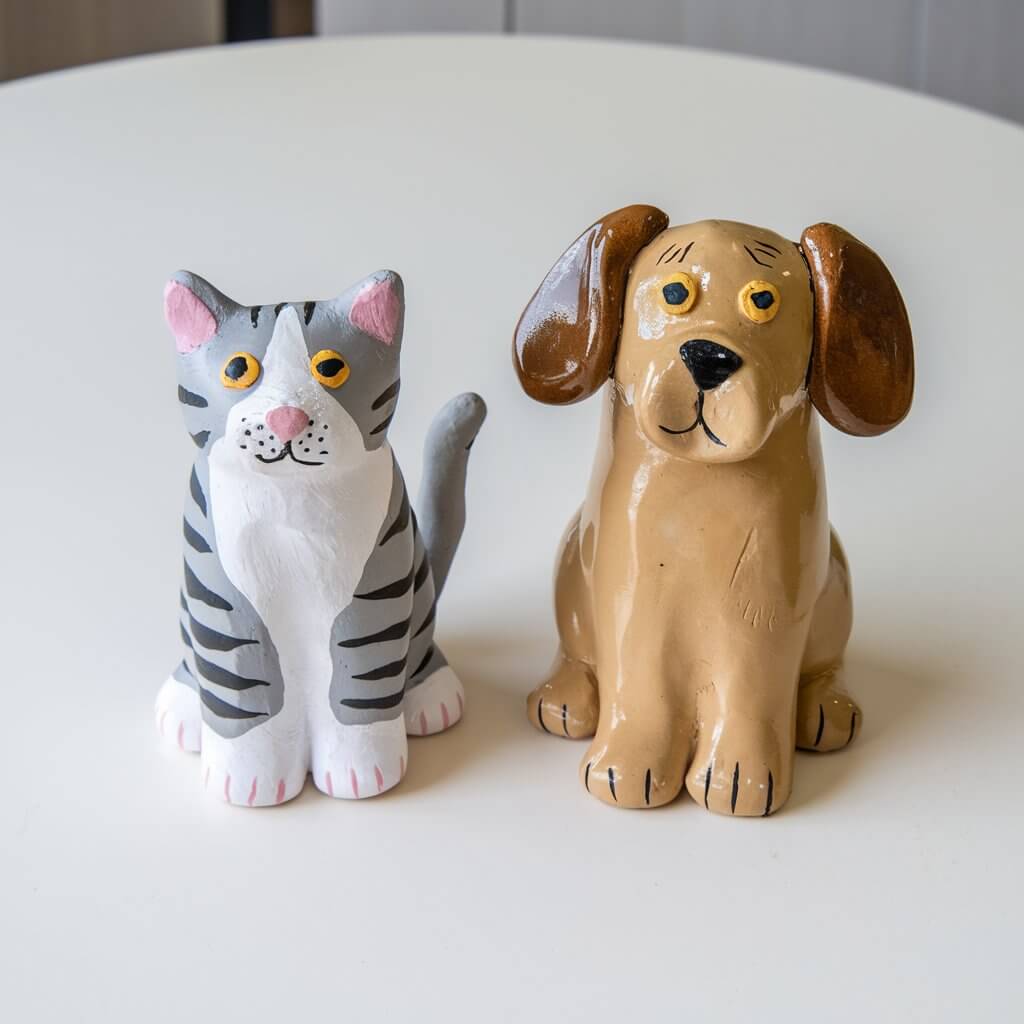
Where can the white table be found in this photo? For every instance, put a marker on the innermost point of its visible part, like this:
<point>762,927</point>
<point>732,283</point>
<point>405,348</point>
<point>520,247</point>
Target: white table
<point>489,887</point>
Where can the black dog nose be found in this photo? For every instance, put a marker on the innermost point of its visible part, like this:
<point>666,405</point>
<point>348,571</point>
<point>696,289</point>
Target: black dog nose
<point>709,364</point>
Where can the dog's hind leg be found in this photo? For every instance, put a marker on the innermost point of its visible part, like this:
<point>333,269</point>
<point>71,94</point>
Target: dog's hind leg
<point>827,717</point>
<point>566,703</point>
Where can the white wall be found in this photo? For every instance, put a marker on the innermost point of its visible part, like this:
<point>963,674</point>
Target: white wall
<point>971,51</point>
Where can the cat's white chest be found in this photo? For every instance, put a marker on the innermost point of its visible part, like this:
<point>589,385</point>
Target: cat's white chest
<point>296,544</point>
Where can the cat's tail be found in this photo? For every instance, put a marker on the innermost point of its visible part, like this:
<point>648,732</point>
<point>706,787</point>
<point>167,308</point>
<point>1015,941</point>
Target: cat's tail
<point>442,501</point>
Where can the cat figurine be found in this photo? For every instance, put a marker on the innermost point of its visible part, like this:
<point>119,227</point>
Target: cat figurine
<point>310,590</point>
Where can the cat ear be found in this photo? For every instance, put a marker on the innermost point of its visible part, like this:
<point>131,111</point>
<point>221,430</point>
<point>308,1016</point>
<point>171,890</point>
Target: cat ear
<point>194,310</point>
<point>378,307</point>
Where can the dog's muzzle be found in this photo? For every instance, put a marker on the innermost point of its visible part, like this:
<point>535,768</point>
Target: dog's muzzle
<point>709,363</point>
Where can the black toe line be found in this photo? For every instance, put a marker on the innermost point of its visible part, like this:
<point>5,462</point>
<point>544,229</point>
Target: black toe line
<point>735,785</point>
<point>540,716</point>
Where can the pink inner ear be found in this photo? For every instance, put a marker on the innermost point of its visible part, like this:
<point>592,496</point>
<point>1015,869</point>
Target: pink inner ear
<point>375,311</point>
<point>188,318</point>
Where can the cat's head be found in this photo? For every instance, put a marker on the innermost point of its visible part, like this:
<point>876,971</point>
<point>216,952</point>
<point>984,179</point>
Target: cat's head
<point>288,387</point>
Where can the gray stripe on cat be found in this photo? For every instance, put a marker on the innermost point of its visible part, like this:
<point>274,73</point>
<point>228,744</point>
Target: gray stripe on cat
<point>194,538</point>
<point>211,639</point>
<point>384,672</point>
<point>429,619</point>
<point>375,703</point>
<point>185,638</point>
<point>222,677</point>
<point>224,710</point>
<point>396,589</point>
<point>202,593</point>
<point>386,395</point>
<point>383,425</point>
<point>395,632</point>
<point>196,491</point>
<point>201,438</point>
<point>187,397</point>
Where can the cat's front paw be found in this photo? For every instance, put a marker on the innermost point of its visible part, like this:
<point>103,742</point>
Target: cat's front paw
<point>356,761</point>
<point>436,704</point>
<point>178,716</point>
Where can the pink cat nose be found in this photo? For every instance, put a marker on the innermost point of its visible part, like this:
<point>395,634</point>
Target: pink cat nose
<point>286,421</point>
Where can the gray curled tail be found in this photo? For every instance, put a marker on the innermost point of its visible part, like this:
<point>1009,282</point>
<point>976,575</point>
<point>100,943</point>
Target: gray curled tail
<point>442,501</point>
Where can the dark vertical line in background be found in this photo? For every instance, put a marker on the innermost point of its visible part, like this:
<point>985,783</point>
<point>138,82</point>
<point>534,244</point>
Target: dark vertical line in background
<point>510,16</point>
<point>921,15</point>
<point>247,19</point>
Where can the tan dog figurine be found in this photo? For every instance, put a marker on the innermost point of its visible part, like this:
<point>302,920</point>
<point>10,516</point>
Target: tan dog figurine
<point>703,602</point>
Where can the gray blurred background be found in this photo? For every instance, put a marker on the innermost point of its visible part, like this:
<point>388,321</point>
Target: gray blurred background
<point>969,51</point>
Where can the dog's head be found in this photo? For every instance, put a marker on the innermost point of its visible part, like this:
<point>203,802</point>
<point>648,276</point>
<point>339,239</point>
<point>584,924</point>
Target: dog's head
<point>715,332</point>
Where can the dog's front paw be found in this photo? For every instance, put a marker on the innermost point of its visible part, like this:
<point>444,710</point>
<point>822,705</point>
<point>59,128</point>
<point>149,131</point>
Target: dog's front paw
<point>178,717</point>
<point>629,771</point>
<point>566,704</point>
<point>742,769</point>
<point>827,718</point>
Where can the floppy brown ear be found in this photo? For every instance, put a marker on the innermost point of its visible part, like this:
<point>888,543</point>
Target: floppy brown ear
<point>862,364</point>
<point>566,338</point>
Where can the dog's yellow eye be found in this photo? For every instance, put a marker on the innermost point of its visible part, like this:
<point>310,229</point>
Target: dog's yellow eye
<point>759,301</point>
<point>678,293</point>
<point>329,368</point>
<point>240,371</point>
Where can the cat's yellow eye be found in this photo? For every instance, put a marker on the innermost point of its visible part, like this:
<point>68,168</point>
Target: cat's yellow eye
<point>329,368</point>
<point>240,371</point>
<point>759,301</point>
<point>677,293</point>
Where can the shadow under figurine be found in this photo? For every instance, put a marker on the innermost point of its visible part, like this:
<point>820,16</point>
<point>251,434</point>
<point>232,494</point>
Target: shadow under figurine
<point>702,600</point>
<point>307,612</point>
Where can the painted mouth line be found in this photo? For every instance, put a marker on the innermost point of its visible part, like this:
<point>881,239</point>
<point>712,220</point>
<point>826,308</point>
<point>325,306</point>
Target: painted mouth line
<point>286,452</point>
<point>698,422</point>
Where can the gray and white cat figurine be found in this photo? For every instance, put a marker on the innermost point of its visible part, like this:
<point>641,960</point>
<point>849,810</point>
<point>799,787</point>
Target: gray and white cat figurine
<point>307,612</point>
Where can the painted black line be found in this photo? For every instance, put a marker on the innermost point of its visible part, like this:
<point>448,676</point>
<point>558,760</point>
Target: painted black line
<point>388,671</point>
<point>196,491</point>
<point>401,520</point>
<point>197,589</point>
<point>565,719</point>
<point>428,620</point>
<point>423,664</point>
<point>307,311</point>
<point>222,677</point>
<point>187,397</point>
<point>389,590</point>
<point>586,777</point>
<point>383,425</point>
<point>685,251</point>
<point>647,788</point>
<point>540,716</point>
<point>760,263</point>
<point>765,252</point>
<point>386,395</point>
<point>224,710</point>
<point>853,728</point>
<point>821,724</point>
<point>395,632</point>
<point>771,790</point>
<point>707,780</point>
<point>195,539</point>
<point>768,245</point>
<point>666,252</point>
<point>421,574</point>
<point>212,640</point>
<point>279,307</point>
<point>254,315</point>
<point>200,439</point>
<point>374,703</point>
<point>735,785</point>
<point>611,783</point>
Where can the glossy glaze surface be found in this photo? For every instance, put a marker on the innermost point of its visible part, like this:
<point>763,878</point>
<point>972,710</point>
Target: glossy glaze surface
<point>703,603</point>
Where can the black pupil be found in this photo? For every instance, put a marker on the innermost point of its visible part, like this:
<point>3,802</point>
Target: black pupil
<point>236,368</point>
<point>330,367</point>
<point>675,293</point>
<point>762,299</point>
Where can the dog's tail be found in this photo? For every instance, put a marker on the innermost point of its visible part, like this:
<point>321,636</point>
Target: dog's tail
<point>442,500</point>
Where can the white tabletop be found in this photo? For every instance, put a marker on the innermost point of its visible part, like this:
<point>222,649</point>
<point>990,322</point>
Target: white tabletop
<point>489,887</point>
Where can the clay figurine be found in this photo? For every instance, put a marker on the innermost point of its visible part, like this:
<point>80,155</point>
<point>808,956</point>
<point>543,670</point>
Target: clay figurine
<point>307,612</point>
<point>702,600</point>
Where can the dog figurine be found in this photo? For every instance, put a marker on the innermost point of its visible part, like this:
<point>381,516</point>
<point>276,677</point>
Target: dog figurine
<point>702,600</point>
